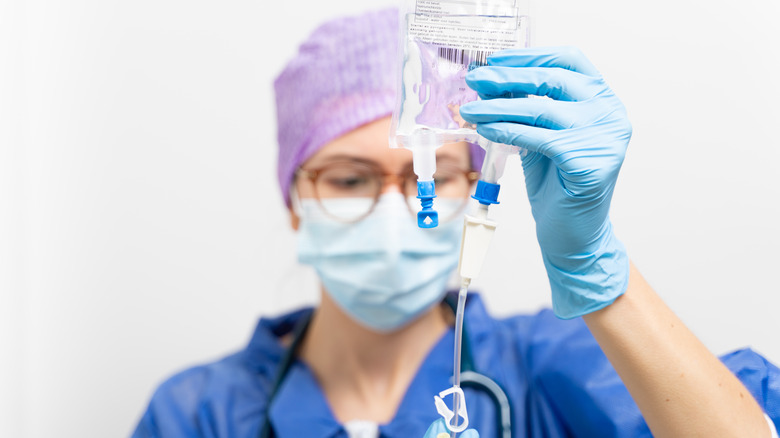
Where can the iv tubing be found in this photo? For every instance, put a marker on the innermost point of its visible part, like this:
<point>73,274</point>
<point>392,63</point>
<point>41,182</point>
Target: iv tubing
<point>458,343</point>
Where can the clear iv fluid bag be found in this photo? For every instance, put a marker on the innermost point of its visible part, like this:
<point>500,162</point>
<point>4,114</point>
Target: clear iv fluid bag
<point>440,42</point>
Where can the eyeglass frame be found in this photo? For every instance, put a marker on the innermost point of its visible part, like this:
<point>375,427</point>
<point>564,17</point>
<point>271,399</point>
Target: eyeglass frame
<point>400,178</point>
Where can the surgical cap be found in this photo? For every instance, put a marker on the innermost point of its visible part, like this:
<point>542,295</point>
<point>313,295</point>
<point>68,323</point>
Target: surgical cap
<point>343,77</point>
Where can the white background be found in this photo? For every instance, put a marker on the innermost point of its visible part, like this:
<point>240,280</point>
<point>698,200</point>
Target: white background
<point>141,229</point>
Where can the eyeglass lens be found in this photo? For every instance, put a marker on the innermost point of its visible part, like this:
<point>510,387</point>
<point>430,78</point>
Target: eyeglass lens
<point>355,180</point>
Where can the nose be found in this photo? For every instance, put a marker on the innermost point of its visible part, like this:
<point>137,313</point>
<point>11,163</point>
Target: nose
<point>392,183</point>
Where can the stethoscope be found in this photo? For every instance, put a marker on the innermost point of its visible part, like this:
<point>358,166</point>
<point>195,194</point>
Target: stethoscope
<point>469,378</point>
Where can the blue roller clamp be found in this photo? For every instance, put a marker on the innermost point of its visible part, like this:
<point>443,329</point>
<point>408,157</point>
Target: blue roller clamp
<point>427,217</point>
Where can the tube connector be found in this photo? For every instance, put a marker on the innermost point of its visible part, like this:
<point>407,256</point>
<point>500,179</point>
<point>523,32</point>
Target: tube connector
<point>423,144</point>
<point>486,193</point>
<point>478,232</point>
<point>427,217</point>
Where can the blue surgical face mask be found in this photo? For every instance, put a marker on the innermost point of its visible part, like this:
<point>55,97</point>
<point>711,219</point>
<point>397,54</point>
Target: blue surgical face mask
<point>383,271</point>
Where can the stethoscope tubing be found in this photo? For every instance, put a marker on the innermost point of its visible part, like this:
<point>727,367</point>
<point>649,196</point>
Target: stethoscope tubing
<point>473,379</point>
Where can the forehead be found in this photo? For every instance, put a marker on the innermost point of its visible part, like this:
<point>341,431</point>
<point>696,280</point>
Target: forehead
<point>370,143</point>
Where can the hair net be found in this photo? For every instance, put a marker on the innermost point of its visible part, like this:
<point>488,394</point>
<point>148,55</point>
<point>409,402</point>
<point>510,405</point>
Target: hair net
<point>344,76</point>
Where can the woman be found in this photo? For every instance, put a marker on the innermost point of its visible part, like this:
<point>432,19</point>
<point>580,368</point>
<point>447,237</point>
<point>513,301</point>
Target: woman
<point>369,358</point>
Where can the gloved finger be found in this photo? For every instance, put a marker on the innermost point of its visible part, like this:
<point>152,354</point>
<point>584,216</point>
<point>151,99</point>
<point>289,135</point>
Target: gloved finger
<point>542,113</point>
<point>469,433</point>
<point>556,83</point>
<point>566,57</point>
<point>532,138</point>
<point>438,428</point>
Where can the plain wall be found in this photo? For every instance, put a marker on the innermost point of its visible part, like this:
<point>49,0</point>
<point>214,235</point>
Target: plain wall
<point>143,232</point>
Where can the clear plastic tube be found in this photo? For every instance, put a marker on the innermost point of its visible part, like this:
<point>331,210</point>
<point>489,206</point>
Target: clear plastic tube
<point>458,348</point>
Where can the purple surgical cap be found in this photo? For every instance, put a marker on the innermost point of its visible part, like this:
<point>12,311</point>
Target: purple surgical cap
<point>344,76</point>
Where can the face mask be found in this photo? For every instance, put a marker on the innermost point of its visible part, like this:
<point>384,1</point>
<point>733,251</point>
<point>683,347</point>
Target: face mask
<point>383,270</point>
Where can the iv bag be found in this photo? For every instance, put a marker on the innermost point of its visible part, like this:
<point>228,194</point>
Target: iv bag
<point>440,42</point>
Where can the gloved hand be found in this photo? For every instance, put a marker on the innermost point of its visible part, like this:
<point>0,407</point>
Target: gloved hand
<point>575,141</point>
<point>438,427</point>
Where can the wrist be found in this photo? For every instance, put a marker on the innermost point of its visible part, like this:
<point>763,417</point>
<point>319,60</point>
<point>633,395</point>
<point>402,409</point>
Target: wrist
<point>589,280</point>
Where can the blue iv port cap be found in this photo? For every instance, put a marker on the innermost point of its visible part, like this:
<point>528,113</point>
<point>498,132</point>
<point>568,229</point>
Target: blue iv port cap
<point>427,217</point>
<point>486,193</point>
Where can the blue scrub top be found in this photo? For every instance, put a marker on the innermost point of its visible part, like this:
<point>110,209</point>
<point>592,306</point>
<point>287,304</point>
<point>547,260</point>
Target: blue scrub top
<point>558,380</point>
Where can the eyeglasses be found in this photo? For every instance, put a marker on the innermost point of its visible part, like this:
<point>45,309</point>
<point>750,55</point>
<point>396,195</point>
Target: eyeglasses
<point>357,179</point>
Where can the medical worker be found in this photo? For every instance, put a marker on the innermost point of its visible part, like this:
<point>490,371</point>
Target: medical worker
<point>609,360</point>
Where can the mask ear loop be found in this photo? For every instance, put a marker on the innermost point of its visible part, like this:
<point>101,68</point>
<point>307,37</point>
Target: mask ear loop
<point>448,415</point>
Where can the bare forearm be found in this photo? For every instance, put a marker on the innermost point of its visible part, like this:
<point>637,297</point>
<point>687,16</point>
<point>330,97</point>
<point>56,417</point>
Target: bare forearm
<point>681,388</point>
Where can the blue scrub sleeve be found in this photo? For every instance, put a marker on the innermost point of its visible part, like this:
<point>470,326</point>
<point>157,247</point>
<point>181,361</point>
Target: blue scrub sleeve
<point>145,427</point>
<point>761,377</point>
<point>173,409</point>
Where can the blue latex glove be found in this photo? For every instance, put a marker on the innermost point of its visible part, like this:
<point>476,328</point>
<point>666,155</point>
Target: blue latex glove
<point>576,141</point>
<point>438,427</point>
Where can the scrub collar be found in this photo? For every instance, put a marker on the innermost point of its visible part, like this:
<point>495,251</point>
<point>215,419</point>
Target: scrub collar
<point>301,409</point>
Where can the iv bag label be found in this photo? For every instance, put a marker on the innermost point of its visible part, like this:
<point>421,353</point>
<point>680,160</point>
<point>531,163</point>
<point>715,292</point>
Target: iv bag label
<point>465,33</point>
<point>442,40</point>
